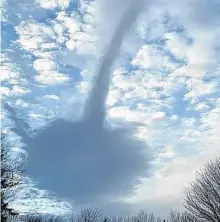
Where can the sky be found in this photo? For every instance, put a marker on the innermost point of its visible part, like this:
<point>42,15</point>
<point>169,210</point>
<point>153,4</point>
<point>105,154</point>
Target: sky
<point>162,109</point>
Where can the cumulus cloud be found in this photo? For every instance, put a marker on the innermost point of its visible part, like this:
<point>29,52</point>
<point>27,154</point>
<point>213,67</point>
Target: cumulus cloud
<point>176,44</point>
<point>52,78</point>
<point>48,74</point>
<point>33,35</point>
<point>54,97</point>
<point>14,91</point>
<point>51,4</point>
<point>164,86</point>
<point>153,57</point>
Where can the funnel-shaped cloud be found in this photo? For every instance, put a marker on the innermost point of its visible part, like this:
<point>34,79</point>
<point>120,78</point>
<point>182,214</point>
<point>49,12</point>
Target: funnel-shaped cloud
<point>95,104</point>
<point>84,160</point>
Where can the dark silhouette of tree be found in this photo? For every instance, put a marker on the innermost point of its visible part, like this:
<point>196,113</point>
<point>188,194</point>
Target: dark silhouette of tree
<point>181,217</point>
<point>89,214</point>
<point>146,217</point>
<point>202,198</point>
<point>12,173</point>
<point>42,218</point>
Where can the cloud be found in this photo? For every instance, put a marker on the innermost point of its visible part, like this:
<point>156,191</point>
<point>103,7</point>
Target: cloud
<point>78,163</point>
<point>14,91</point>
<point>54,97</point>
<point>5,91</point>
<point>92,161</point>
<point>48,74</point>
<point>33,200</point>
<point>11,72</point>
<point>32,35</point>
<point>52,78</point>
<point>95,104</point>
<point>164,86</point>
<point>52,4</point>
<point>177,44</point>
<point>153,57</point>
<point>8,74</point>
<point>172,176</point>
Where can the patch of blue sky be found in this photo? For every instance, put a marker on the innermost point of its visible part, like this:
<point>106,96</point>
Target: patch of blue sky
<point>72,71</point>
<point>73,8</point>
<point>8,35</point>
<point>172,24</point>
<point>22,59</point>
<point>180,106</point>
<point>44,15</point>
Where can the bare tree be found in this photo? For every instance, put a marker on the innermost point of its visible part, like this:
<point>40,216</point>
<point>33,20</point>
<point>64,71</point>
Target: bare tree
<point>41,218</point>
<point>181,217</point>
<point>143,216</point>
<point>202,198</point>
<point>89,214</point>
<point>12,173</point>
<point>146,217</point>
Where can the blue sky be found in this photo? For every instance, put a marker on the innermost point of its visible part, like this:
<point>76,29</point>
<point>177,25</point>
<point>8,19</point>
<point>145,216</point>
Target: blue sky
<point>166,81</point>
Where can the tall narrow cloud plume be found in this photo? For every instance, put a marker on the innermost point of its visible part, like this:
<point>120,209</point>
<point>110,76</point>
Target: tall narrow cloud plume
<point>88,161</point>
<point>95,104</point>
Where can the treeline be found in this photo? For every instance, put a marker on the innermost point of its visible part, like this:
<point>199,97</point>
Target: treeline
<point>201,199</point>
<point>95,215</point>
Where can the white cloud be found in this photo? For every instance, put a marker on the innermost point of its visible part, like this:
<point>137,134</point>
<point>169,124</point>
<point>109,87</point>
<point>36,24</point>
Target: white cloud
<point>32,35</point>
<point>82,86</point>
<point>42,65</point>
<point>15,91</point>
<point>167,152</point>
<point>53,97</point>
<point>58,28</point>
<point>176,44</point>
<point>3,11</point>
<point>77,35</point>
<point>200,53</point>
<point>7,73</point>
<point>35,115</point>
<point>22,103</point>
<point>48,74</point>
<point>113,97</point>
<point>10,72</point>
<point>31,199</point>
<point>18,90</point>
<point>173,176</point>
<point>126,114</point>
<point>169,182</point>
<point>150,56</point>
<point>158,115</point>
<point>51,78</point>
<point>70,23</point>
<point>5,91</point>
<point>197,87</point>
<point>203,106</point>
<point>82,43</point>
<point>52,4</point>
